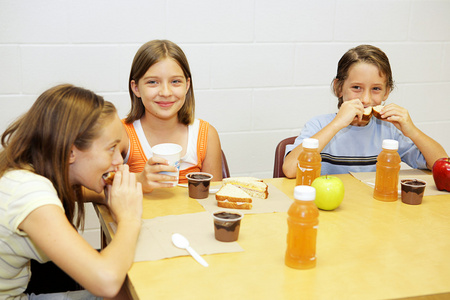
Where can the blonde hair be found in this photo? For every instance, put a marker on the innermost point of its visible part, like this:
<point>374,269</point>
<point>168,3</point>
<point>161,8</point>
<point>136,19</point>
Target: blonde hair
<point>149,54</point>
<point>366,54</point>
<point>42,139</point>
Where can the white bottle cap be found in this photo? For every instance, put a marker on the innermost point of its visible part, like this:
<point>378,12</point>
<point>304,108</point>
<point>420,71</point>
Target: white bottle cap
<point>390,144</point>
<point>305,193</point>
<point>310,143</point>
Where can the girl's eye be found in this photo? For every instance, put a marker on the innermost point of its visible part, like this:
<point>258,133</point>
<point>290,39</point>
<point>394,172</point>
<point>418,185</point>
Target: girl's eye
<point>356,87</point>
<point>152,82</point>
<point>176,81</point>
<point>113,148</point>
<point>377,88</point>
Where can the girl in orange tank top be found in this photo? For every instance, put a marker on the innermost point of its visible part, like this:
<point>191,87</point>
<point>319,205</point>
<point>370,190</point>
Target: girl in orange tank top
<point>163,111</point>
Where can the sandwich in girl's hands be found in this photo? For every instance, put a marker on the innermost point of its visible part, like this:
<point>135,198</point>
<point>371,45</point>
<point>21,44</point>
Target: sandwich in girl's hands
<point>376,111</point>
<point>109,177</point>
<point>372,110</point>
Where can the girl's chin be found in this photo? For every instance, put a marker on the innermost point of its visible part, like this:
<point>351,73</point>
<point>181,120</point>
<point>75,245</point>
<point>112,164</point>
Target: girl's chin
<point>359,123</point>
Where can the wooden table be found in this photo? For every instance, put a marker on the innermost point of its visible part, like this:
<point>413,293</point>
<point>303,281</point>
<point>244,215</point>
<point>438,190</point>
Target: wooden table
<point>366,249</point>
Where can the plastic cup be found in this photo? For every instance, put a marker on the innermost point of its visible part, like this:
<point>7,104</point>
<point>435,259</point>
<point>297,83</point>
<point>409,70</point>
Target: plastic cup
<point>413,190</point>
<point>171,152</point>
<point>226,225</point>
<point>198,184</point>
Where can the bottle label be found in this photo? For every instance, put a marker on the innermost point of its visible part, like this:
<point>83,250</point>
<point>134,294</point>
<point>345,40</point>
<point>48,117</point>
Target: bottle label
<point>304,169</point>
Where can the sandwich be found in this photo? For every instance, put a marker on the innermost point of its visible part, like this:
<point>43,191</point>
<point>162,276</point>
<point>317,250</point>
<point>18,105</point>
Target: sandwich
<point>109,177</point>
<point>230,196</point>
<point>367,113</point>
<point>253,186</point>
<point>376,111</point>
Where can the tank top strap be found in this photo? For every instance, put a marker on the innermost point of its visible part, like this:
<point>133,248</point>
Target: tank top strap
<point>202,141</point>
<point>136,159</point>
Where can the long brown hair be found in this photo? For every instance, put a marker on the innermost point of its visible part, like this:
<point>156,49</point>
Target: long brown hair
<point>149,54</point>
<point>366,54</point>
<point>42,139</point>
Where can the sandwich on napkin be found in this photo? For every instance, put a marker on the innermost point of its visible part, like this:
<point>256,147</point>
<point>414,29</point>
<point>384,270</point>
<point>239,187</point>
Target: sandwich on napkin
<point>230,196</point>
<point>237,192</point>
<point>251,185</point>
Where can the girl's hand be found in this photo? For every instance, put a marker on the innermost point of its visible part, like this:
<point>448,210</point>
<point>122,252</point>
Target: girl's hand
<point>351,112</point>
<point>150,177</point>
<point>125,196</point>
<point>398,116</point>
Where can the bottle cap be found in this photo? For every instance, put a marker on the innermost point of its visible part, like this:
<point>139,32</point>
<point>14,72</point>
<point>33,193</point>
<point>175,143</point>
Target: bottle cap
<point>304,193</point>
<point>310,143</point>
<point>390,144</point>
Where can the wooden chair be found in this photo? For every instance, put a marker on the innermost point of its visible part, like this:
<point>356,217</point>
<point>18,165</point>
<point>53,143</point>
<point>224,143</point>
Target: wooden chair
<point>279,156</point>
<point>225,170</point>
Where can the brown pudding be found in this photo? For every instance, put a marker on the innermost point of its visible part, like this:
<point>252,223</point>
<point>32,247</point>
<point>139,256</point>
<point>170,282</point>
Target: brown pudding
<point>226,226</point>
<point>412,191</point>
<point>198,185</point>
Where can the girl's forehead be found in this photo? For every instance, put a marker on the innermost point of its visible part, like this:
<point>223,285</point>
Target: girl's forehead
<point>361,69</point>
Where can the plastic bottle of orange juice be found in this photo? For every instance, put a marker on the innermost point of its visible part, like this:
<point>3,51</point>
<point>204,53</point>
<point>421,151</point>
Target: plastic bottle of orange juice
<point>309,162</point>
<point>388,168</point>
<point>302,229</point>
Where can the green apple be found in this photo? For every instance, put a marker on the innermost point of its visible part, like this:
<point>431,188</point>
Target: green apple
<point>329,192</point>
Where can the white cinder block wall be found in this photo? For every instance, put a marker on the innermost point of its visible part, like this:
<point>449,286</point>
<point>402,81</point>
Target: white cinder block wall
<point>261,68</point>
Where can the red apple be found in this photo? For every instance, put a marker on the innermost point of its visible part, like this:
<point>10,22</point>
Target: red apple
<point>441,174</point>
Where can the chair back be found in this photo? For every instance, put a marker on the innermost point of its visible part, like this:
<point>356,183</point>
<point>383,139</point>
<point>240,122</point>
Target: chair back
<point>225,170</point>
<point>279,156</point>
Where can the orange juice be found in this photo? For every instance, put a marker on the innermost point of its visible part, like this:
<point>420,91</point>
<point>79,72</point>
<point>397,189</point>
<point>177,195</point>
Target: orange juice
<point>309,162</point>
<point>388,168</point>
<point>302,229</point>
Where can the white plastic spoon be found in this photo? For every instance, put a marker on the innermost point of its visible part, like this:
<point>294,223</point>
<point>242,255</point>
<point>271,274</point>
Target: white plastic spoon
<point>182,243</point>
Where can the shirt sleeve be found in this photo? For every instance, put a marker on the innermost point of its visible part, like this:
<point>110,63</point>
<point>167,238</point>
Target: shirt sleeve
<point>409,153</point>
<point>29,195</point>
<point>311,128</point>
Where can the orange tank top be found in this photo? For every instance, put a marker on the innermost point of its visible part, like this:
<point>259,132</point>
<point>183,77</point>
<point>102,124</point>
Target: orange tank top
<point>137,158</point>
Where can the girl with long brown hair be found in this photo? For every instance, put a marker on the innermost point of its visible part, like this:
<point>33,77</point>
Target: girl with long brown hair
<point>66,142</point>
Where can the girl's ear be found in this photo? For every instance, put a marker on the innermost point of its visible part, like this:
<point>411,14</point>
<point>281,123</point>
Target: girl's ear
<point>73,155</point>
<point>336,89</point>
<point>188,85</point>
<point>135,89</point>
<point>386,95</point>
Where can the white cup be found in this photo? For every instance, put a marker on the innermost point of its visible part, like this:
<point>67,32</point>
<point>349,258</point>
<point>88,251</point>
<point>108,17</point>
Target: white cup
<point>171,152</point>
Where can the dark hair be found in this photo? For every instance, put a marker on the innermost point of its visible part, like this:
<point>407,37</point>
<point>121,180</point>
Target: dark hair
<point>149,54</point>
<point>41,140</point>
<point>362,53</point>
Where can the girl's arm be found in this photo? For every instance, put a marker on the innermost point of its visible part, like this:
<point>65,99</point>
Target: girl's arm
<point>101,273</point>
<point>401,119</point>
<point>213,159</point>
<point>350,111</point>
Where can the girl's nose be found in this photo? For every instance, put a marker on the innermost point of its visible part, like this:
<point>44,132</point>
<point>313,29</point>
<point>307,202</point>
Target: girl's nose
<point>165,90</point>
<point>117,158</point>
<point>366,98</point>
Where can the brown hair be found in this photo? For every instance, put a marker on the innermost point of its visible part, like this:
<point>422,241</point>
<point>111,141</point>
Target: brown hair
<point>42,139</point>
<point>366,54</point>
<point>149,54</point>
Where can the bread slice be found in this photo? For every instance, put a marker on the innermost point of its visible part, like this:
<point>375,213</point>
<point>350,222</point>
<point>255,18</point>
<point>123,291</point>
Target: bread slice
<point>109,177</point>
<point>234,205</point>
<point>251,185</point>
<point>376,111</point>
<point>367,113</point>
<point>232,194</point>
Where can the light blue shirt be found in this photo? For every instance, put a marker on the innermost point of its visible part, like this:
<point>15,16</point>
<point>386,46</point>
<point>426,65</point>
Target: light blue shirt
<point>355,149</point>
